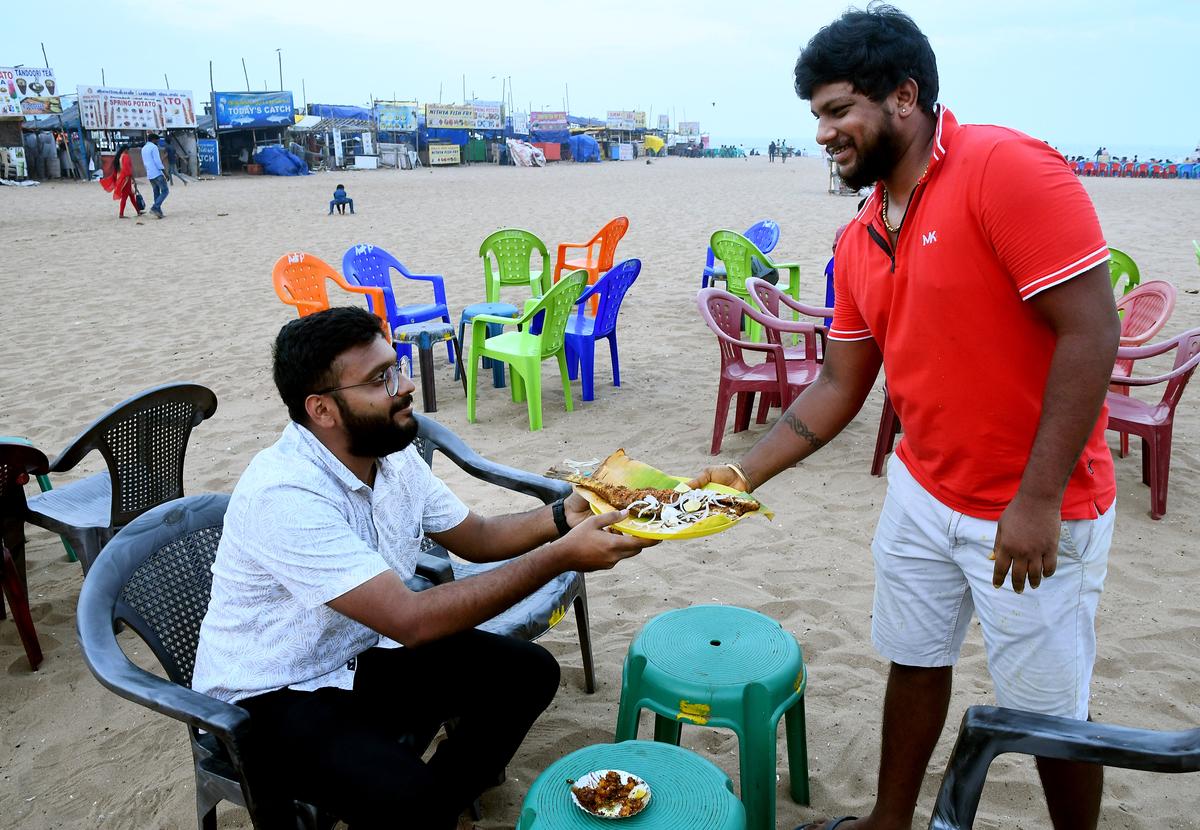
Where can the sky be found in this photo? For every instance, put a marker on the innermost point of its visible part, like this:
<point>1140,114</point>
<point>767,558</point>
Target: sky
<point>1078,74</point>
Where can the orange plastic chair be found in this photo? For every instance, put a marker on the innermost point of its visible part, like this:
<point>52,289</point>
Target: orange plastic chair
<point>598,251</point>
<point>299,279</point>
<point>1144,311</point>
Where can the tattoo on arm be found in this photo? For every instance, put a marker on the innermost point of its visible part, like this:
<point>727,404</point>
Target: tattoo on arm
<point>801,429</point>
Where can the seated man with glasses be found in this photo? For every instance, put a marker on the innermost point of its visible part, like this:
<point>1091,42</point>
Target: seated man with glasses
<point>312,629</point>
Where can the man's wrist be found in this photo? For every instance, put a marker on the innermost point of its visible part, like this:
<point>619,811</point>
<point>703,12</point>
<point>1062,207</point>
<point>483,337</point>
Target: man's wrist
<point>559,512</point>
<point>740,471</point>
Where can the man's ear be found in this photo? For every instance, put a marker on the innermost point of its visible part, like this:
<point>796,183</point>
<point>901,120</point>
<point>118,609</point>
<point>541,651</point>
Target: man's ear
<point>322,411</point>
<point>906,97</point>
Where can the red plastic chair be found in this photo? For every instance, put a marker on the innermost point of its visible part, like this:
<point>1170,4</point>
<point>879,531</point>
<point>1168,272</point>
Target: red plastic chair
<point>1089,168</point>
<point>723,313</point>
<point>18,461</point>
<point>812,336</point>
<point>299,280</point>
<point>1172,171</point>
<point>1114,169</point>
<point>1128,170</point>
<point>598,253</point>
<point>1144,311</point>
<point>1143,170</point>
<point>889,428</point>
<point>1154,422</point>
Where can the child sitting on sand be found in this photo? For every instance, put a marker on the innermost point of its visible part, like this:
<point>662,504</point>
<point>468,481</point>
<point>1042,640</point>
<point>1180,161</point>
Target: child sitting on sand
<point>340,200</point>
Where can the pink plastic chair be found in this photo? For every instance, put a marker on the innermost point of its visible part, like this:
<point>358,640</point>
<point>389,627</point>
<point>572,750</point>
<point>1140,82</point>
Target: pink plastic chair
<point>723,313</point>
<point>1144,311</point>
<point>1153,422</point>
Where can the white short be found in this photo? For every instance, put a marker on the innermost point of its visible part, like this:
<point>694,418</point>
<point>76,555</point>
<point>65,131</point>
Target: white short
<point>932,569</point>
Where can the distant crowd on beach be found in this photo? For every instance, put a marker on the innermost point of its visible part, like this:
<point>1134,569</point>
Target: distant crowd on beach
<point>1104,163</point>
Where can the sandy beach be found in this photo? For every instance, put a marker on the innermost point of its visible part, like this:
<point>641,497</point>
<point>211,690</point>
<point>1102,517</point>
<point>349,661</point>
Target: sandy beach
<point>97,309</point>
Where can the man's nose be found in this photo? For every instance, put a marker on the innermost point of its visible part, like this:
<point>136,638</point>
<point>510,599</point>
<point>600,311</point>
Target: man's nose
<point>825,132</point>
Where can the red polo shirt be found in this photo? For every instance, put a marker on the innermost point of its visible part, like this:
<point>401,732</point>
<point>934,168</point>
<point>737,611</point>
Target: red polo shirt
<point>997,218</point>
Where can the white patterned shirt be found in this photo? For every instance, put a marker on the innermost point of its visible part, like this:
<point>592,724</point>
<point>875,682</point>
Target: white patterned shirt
<point>301,530</point>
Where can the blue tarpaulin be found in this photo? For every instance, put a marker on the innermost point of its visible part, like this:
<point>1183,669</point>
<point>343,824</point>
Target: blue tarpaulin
<point>279,162</point>
<point>551,136</point>
<point>440,136</point>
<point>584,148</point>
<point>340,111</point>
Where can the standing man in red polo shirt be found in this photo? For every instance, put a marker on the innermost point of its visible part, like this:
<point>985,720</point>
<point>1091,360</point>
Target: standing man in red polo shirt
<point>976,274</point>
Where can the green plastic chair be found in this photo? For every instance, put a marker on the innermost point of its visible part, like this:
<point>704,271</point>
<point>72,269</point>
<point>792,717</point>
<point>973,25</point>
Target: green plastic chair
<point>508,260</point>
<point>525,349</point>
<point>1121,266</point>
<point>721,666</point>
<point>1196,245</point>
<point>739,253</point>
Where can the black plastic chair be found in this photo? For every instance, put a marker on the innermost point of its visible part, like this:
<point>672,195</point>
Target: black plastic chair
<point>18,461</point>
<point>988,731</point>
<point>143,441</point>
<point>539,612</point>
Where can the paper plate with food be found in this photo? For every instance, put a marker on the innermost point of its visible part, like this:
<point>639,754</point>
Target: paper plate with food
<point>610,793</point>
<point>661,506</point>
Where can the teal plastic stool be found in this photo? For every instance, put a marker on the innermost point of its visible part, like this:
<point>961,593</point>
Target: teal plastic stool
<point>469,314</point>
<point>721,666</point>
<point>423,336</point>
<point>687,792</point>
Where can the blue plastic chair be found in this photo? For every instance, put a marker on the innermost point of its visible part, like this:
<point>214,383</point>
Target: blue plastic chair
<point>369,265</point>
<point>1187,171</point>
<point>764,235</point>
<point>583,330</point>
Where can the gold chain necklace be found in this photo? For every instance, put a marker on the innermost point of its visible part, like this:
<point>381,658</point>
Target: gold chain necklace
<point>896,230</point>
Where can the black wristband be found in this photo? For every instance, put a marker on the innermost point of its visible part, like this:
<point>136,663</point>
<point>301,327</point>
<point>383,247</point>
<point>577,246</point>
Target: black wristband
<point>560,517</point>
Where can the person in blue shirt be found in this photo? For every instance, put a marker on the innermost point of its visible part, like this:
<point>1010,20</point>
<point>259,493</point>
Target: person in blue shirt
<point>340,200</point>
<point>172,167</point>
<point>155,172</point>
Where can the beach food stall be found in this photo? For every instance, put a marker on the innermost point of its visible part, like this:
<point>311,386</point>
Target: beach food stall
<point>113,116</point>
<point>245,122</point>
<point>25,92</point>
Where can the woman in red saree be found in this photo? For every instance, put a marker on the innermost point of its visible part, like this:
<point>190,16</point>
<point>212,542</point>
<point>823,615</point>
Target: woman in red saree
<point>120,182</point>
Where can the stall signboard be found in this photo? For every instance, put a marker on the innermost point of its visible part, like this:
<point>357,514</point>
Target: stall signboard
<point>243,110</point>
<point>664,123</point>
<point>547,120</point>
<point>206,154</point>
<point>117,108</point>
<point>443,154</point>
<point>25,90</point>
<point>487,115</point>
<point>620,120</point>
<point>689,128</point>
<point>639,120</point>
<point>397,117</point>
<point>449,117</point>
<point>520,123</point>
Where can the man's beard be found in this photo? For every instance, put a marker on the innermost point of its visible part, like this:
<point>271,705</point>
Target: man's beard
<point>375,437</point>
<point>875,161</point>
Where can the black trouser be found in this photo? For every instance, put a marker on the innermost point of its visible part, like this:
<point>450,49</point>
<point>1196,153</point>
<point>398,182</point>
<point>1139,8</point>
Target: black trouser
<point>345,751</point>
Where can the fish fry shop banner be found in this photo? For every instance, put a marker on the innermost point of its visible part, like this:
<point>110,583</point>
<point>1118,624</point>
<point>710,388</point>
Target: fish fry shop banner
<point>27,90</point>
<point>242,110</point>
<point>115,108</point>
<point>449,116</point>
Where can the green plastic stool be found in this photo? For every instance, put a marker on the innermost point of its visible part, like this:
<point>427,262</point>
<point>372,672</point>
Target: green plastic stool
<point>687,792</point>
<point>717,665</point>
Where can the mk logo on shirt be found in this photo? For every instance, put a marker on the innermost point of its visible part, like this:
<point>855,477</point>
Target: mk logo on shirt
<point>929,238</point>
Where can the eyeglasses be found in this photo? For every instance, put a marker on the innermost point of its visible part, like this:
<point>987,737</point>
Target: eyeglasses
<point>389,377</point>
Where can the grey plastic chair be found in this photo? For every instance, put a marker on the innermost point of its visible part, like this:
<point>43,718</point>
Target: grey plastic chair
<point>155,578</point>
<point>988,731</point>
<point>143,441</point>
<point>539,612</point>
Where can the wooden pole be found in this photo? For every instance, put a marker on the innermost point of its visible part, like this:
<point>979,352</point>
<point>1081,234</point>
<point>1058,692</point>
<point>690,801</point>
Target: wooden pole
<point>245,74</point>
<point>166,80</point>
<point>211,88</point>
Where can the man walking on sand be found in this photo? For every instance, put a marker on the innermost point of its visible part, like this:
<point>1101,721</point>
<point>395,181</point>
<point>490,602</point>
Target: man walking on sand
<point>976,274</point>
<point>155,172</point>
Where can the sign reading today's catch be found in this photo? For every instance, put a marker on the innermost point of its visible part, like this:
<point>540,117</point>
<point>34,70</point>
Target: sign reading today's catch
<point>240,110</point>
<point>25,90</point>
<point>116,108</point>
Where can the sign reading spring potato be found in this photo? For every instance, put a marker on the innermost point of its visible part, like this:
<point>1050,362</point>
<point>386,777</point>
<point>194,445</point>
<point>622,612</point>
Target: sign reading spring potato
<point>241,110</point>
<point>397,117</point>
<point>547,120</point>
<point>26,90</point>
<point>487,115</point>
<point>449,117</point>
<point>116,108</point>
<point>443,153</point>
